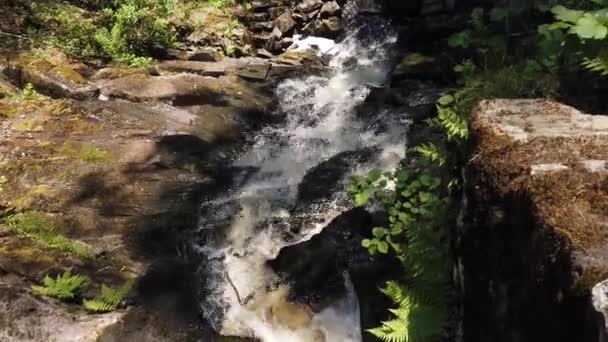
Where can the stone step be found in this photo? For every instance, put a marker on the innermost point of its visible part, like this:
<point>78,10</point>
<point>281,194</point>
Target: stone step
<point>263,5</point>
<point>254,17</point>
<point>261,26</point>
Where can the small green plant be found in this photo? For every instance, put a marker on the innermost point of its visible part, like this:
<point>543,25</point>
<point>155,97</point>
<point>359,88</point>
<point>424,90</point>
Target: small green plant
<point>92,154</point>
<point>432,152</point>
<point>454,124</point>
<point>41,229</point>
<point>416,213</point>
<point>416,318</point>
<point>110,298</point>
<point>30,93</point>
<point>64,287</point>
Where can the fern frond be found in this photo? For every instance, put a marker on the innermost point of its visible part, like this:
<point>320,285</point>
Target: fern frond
<point>415,320</point>
<point>109,300</point>
<point>64,286</point>
<point>454,125</point>
<point>598,64</point>
<point>432,153</point>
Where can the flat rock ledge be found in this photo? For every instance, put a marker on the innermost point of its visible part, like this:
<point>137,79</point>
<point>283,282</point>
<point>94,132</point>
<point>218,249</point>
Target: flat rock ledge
<point>534,240</point>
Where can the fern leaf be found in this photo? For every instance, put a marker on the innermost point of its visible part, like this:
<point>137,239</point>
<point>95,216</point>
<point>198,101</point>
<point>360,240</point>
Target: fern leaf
<point>454,125</point>
<point>65,286</point>
<point>110,299</point>
<point>598,64</point>
<point>432,153</point>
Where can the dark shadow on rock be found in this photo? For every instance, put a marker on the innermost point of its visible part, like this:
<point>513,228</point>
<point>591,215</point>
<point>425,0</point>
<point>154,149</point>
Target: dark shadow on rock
<point>110,199</point>
<point>519,275</point>
<point>328,177</point>
<point>315,267</point>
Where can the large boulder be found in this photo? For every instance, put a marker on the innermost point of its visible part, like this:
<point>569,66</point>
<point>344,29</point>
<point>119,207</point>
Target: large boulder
<point>533,245</point>
<point>53,79</point>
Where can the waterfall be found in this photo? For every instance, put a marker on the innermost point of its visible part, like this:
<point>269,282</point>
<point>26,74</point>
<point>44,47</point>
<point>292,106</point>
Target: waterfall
<point>265,212</point>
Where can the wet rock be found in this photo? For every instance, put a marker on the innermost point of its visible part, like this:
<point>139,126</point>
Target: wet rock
<point>308,6</point>
<point>329,28</point>
<point>284,23</point>
<point>600,304</point>
<point>264,53</point>
<point>330,9</point>
<point>332,27</point>
<point>298,58</point>
<point>275,12</point>
<point>417,65</point>
<point>328,178</point>
<point>534,241</point>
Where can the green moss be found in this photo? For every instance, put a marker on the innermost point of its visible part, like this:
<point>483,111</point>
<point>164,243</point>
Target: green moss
<point>3,182</point>
<point>89,154</point>
<point>92,154</point>
<point>30,125</point>
<point>42,230</point>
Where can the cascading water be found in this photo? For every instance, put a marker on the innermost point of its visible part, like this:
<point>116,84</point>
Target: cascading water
<point>265,210</point>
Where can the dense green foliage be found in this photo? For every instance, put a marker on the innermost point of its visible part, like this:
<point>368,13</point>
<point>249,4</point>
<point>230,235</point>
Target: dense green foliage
<point>65,286</point>
<point>127,31</point>
<point>416,212</point>
<point>510,49</point>
<point>109,300</point>
<point>418,205</point>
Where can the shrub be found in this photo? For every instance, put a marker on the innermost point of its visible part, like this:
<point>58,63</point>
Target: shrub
<point>64,287</point>
<point>71,29</point>
<point>416,235</point>
<point>137,30</point>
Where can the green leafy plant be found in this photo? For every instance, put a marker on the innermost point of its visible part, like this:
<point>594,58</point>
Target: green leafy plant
<point>432,152</point>
<point>70,28</point>
<point>110,298</point>
<point>65,286</point>
<point>137,29</point>
<point>416,212</point>
<point>30,93</point>
<point>41,229</point>
<point>589,27</point>
<point>416,318</point>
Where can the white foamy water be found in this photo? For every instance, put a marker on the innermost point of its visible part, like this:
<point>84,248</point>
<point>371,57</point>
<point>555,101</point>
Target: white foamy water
<point>244,296</point>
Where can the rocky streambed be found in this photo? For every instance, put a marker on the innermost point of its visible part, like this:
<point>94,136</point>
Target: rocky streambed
<point>217,184</point>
